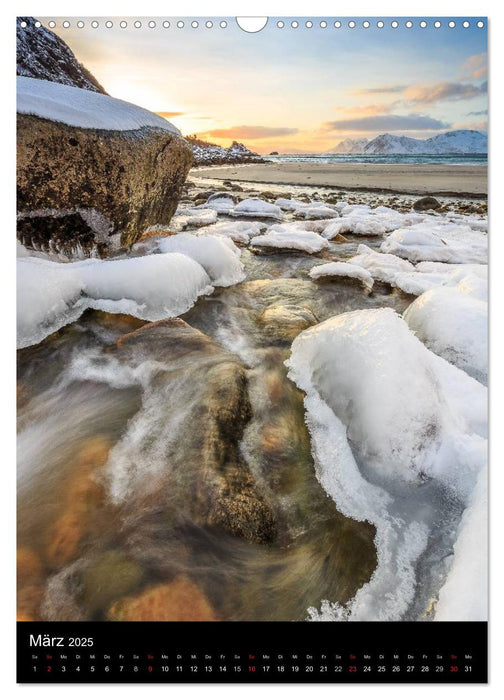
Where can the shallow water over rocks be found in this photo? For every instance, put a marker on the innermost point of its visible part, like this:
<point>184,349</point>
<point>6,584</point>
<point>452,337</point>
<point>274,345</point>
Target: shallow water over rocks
<point>153,454</point>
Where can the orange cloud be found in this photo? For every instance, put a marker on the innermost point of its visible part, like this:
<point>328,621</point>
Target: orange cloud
<point>169,115</point>
<point>427,94</point>
<point>475,67</point>
<point>252,132</point>
<point>365,110</point>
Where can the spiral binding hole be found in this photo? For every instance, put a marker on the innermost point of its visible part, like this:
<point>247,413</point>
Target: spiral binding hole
<point>280,24</point>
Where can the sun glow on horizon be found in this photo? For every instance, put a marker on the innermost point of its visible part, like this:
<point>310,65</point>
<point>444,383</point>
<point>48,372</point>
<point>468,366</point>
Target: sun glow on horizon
<point>293,92</point>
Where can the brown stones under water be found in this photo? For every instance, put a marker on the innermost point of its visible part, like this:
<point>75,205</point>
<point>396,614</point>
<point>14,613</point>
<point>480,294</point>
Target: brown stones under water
<point>178,601</point>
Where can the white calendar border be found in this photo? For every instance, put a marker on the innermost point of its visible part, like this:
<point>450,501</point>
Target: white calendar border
<point>7,361</point>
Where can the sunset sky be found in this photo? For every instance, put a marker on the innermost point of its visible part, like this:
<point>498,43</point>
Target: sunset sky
<point>293,90</point>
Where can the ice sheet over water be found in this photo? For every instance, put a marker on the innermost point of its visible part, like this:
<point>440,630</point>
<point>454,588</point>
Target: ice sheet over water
<point>51,295</point>
<point>217,255</point>
<point>398,438</point>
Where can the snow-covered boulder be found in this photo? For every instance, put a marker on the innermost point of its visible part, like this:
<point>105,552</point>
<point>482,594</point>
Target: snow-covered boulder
<point>428,275</point>
<point>221,202</point>
<point>383,267</point>
<point>343,269</point>
<point>317,210</point>
<point>192,217</point>
<point>289,237</point>
<point>453,323</point>
<point>238,231</point>
<point>442,242</point>
<point>289,204</point>
<point>356,225</point>
<point>90,167</point>
<point>255,207</point>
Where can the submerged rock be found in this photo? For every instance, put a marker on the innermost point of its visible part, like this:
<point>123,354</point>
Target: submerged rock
<point>81,498</point>
<point>178,601</point>
<point>203,472</point>
<point>107,578</point>
<point>284,322</point>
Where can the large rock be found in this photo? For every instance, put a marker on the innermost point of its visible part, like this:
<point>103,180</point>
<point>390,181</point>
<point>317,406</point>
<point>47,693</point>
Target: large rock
<point>93,173</point>
<point>79,187</point>
<point>42,54</point>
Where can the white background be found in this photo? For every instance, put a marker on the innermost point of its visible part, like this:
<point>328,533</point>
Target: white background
<point>313,8</point>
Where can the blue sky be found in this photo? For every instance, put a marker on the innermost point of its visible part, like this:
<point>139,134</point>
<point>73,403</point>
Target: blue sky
<point>293,89</point>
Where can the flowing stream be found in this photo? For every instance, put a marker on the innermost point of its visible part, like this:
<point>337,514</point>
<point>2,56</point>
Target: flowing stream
<point>116,455</point>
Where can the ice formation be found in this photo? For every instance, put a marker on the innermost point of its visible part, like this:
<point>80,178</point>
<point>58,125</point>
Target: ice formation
<point>257,207</point>
<point>218,256</point>
<point>288,236</point>
<point>382,266</point>
<point>452,321</point>
<point>50,295</point>
<point>443,242</point>
<point>398,437</point>
<point>238,231</point>
<point>342,269</point>
<point>191,217</point>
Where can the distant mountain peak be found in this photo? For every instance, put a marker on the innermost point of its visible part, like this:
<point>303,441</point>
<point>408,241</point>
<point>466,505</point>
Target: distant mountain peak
<point>459,141</point>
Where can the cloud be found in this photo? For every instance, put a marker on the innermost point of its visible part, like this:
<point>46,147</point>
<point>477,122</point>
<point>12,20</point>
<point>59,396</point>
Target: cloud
<point>474,126</point>
<point>481,113</point>
<point>475,67</point>
<point>427,94</point>
<point>390,122</point>
<point>252,132</point>
<point>366,110</point>
<point>381,90</point>
<point>169,115</point>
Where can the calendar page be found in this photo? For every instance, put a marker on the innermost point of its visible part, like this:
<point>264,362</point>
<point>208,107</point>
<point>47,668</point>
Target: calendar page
<point>252,349</point>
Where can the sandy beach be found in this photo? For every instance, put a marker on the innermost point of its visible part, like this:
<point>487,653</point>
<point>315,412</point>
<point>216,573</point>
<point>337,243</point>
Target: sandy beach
<point>420,179</point>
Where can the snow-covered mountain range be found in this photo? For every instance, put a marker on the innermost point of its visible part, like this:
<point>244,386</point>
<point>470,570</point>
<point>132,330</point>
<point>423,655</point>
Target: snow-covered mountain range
<point>461,141</point>
<point>349,146</point>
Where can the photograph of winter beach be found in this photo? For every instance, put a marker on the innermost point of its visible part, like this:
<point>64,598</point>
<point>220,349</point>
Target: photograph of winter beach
<point>252,320</point>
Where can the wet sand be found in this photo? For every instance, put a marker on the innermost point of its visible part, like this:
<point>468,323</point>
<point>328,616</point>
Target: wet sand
<point>419,179</point>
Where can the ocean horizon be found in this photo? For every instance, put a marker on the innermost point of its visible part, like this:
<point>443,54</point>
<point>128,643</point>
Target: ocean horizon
<point>405,158</point>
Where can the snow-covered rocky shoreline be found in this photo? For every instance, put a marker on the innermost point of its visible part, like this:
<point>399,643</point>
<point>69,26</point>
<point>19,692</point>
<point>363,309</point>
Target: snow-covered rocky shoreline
<point>395,404</point>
